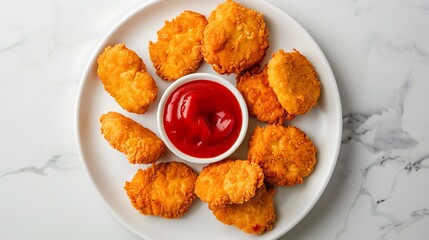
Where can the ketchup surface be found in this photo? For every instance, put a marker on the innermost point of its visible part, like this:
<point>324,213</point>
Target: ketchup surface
<point>202,118</point>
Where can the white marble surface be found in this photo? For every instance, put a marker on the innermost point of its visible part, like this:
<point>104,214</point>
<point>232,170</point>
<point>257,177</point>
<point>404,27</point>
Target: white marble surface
<point>379,52</point>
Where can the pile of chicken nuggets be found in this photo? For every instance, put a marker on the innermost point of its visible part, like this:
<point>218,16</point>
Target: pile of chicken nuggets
<point>233,40</point>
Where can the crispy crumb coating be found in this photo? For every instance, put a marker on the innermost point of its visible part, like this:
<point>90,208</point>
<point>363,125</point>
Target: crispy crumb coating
<point>259,96</point>
<point>125,78</point>
<point>164,189</point>
<point>235,38</point>
<point>285,154</point>
<point>228,181</point>
<point>294,81</point>
<point>138,143</point>
<point>254,216</point>
<point>177,51</point>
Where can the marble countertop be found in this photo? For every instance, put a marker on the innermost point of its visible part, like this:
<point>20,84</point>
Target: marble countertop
<point>379,53</point>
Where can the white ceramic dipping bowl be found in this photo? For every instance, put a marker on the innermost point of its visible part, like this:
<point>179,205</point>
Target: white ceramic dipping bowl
<point>208,77</point>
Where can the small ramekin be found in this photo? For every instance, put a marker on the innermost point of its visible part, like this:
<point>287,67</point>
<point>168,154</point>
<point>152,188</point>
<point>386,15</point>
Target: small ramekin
<point>210,77</point>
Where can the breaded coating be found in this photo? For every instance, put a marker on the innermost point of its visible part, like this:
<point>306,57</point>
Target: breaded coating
<point>285,154</point>
<point>164,189</point>
<point>294,81</point>
<point>235,38</point>
<point>254,216</point>
<point>178,49</point>
<point>125,78</point>
<point>228,181</point>
<point>259,96</point>
<point>138,143</point>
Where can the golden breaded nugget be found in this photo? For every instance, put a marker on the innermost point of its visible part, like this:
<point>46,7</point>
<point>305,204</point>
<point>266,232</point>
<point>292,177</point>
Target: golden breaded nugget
<point>294,81</point>
<point>228,181</point>
<point>138,143</point>
<point>259,96</point>
<point>254,216</point>
<point>178,49</point>
<point>125,78</point>
<point>285,154</point>
<point>235,38</point>
<point>164,189</point>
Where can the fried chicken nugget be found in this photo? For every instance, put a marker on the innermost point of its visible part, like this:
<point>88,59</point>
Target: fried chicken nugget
<point>294,81</point>
<point>254,216</point>
<point>235,38</point>
<point>259,96</point>
<point>178,49</point>
<point>285,154</point>
<point>124,76</point>
<point>228,181</point>
<point>138,143</point>
<point>164,189</point>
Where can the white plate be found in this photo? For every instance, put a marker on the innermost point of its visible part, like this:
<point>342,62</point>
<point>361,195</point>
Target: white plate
<point>108,169</point>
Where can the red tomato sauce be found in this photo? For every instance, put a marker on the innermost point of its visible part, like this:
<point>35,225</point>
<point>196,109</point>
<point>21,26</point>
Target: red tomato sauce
<point>202,118</point>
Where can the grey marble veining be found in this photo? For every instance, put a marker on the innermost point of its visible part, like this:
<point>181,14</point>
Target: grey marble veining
<point>380,131</point>
<point>63,162</point>
<point>382,134</point>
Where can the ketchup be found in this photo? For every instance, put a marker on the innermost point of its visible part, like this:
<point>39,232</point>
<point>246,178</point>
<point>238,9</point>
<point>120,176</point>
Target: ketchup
<point>202,118</point>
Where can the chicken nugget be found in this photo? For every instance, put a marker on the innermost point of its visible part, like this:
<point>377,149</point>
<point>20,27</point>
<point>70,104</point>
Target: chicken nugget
<point>178,49</point>
<point>228,181</point>
<point>235,38</point>
<point>124,76</point>
<point>285,154</point>
<point>294,81</point>
<point>138,143</point>
<point>259,96</point>
<point>254,216</point>
<point>164,189</point>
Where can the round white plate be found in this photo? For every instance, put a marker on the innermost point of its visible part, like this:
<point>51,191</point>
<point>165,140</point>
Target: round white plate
<point>108,169</point>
